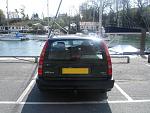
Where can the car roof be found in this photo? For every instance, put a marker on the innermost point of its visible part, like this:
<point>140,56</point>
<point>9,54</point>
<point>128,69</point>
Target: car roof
<point>70,37</point>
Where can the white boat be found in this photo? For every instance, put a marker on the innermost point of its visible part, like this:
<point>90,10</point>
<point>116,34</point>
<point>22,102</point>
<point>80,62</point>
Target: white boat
<point>124,50</point>
<point>13,37</point>
<point>38,37</point>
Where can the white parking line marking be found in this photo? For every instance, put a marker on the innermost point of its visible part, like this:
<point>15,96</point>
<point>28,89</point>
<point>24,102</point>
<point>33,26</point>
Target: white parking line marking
<point>88,102</point>
<point>35,76</point>
<point>32,83</point>
<point>8,102</point>
<point>26,91</point>
<point>123,92</point>
<point>75,103</point>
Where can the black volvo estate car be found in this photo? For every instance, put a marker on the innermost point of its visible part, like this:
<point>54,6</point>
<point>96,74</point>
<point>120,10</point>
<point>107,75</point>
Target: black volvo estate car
<point>75,62</point>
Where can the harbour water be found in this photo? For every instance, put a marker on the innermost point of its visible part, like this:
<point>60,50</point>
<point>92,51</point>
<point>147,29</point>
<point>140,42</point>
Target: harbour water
<point>131,39</point>
<point>21,48</point>
<point>34,47</point>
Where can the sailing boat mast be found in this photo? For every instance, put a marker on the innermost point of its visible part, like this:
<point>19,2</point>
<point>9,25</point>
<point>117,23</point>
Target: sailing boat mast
<point>7,16</point>
<point>100,16</point>
<point>48,13</point>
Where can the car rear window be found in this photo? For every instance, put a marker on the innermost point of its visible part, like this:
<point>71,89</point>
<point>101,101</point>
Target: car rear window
<point>75,49</point>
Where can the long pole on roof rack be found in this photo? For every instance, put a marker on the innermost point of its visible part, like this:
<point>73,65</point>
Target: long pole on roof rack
<point>61,27</point>
<point>54,19</point>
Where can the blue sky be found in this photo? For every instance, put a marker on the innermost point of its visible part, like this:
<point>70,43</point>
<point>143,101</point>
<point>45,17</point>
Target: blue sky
<point>40,6</point>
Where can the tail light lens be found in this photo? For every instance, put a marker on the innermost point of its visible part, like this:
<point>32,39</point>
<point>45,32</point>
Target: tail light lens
<point>109,71</point>
<point>41,60</point>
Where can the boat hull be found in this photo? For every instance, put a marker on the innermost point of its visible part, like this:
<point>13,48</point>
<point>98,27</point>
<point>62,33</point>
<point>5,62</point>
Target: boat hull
<point>13,39</point>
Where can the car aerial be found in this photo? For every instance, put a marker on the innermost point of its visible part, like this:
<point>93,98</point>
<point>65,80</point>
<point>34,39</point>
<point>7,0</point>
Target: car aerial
<point>75,62</point>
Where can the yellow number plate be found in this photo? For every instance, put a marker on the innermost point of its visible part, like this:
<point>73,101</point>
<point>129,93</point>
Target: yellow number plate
<point>75,71</point>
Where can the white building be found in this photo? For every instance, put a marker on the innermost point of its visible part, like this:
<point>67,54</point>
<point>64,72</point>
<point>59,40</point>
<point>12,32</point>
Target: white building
<point>13,28</point>
<point>91,26</point>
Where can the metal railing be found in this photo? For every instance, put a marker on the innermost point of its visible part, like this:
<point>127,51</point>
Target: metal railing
<point>35,57</point>
<point>120,56</point>
<point>149,58</point>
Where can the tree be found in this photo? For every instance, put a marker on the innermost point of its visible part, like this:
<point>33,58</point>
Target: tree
<point>17,12</point>
<point>29,24</point>
<point>112,19</point>
<point>38,26</point>
<point>35,16</point>
<point>125,13</point>
<point>141,13</point>
<point>22,12</point>
<point>84,10</point>
<point>2,18</point>
<point>90,10</point>
<point>27,17</point>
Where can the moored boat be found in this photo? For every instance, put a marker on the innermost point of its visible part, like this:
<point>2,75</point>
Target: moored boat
<point>13,37</point>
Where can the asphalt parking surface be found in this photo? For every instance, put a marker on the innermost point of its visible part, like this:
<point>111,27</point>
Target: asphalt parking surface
<point>19,93</point>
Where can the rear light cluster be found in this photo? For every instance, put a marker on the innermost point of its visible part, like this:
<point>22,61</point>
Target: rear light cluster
<point>41,60</point>
<point>109,71</point>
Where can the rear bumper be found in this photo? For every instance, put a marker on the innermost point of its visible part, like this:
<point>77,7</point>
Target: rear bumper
<point>106,85</point>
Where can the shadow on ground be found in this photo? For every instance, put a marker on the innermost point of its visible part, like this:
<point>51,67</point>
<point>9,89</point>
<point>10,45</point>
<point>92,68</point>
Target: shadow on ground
<point>65,96</point>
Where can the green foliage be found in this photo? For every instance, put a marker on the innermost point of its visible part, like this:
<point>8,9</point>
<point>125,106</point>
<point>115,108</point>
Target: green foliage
<point>29,24</point>
<point>38,27</point>
<point>2,18</point>
<point>27,17</point>
<point>89,13</point>
<point>35,16</point>
<point>126,16</point>
<point>22,13</point>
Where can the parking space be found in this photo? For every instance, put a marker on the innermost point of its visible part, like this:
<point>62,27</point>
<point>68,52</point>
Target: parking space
<point>138,90</point>
<point>131,93</point>
<point>14,77</point>
<point>134,78</point>
<point>10,90</point>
